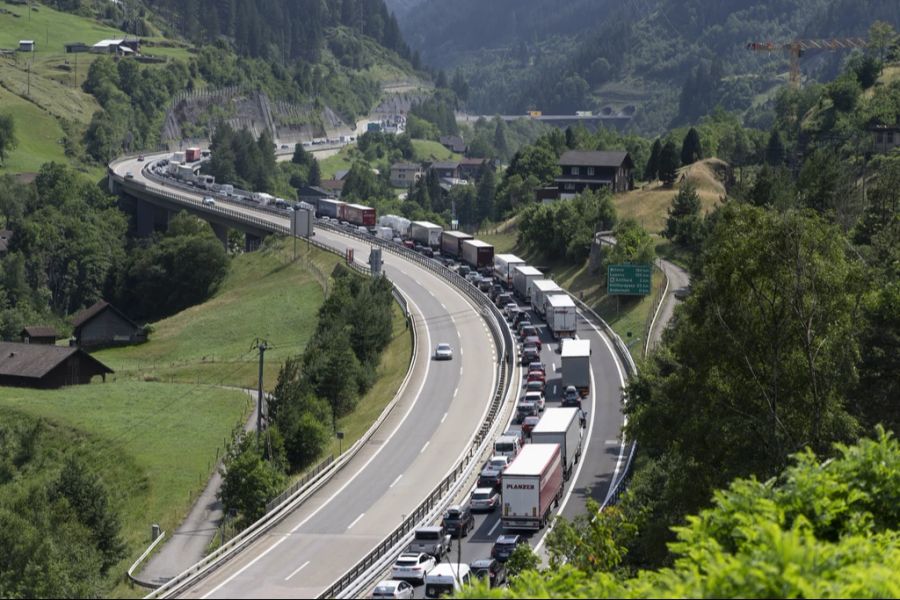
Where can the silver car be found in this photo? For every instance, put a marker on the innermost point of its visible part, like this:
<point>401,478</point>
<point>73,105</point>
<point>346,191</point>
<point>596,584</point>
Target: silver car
<point>443,352</point>
<point>484,498</point>
<point>392,589</point>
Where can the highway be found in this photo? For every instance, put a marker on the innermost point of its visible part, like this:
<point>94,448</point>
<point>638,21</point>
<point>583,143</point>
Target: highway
<point>414,449</point>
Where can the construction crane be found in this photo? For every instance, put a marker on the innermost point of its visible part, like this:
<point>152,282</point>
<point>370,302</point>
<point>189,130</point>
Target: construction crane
<point>798,48</point>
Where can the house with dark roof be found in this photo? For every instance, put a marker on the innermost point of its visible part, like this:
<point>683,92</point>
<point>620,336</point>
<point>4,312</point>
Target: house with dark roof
<point>594,170</point>
<point>333,187</point>
<point>312,194</point>
<point>35,334</point>
<point>46,366</point>
<point>446,169</point>
<point>470,168</point>
<point>885,137</point>
<point>405,174</point>
<point>104,325</point>
<point>453,143</point>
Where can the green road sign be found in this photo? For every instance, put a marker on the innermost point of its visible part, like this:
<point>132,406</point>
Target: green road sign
<point>628,280</point>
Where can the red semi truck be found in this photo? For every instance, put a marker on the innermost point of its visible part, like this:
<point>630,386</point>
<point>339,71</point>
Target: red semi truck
<point>192,155</point>
<point>357,214</point>
<point>530,486</point>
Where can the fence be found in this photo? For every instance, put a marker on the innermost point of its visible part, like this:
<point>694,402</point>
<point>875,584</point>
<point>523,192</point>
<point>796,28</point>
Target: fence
<point>299,484</point>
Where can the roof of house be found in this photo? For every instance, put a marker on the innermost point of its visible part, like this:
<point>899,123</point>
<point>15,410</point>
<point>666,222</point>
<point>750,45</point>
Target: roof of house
<point>89,313</point>
<point>39,331</point>
<point>106,43</point>
<point>595,158</point>
<point>339,175</point>
<point>309,190</point>
<point>405,166</point>
<point>332,184</point>
<point>445,164</point>
<point>582,180</point>
<point>473,162</point>
<point>455,142</point>
<point>36,360</point>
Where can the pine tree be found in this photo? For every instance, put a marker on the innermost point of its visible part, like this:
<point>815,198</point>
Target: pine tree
<point>570,138</point>
<point>651,171</point>
<point>668,163</point>
<point>315,174</point>
<point>500,143</point>
<point>684,224</point>
<point>775,153</point>
<point>301,156</point>
<point>691,149</point>
<point>487,187</point>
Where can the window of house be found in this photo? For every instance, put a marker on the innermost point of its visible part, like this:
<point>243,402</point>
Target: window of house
<point>590,171</point>
<point>879,138</point>
<point>890,137</point>
<point>570,186</point>
<point>575,171</point>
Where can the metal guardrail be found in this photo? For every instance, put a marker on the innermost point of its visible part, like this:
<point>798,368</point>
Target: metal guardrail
<point>299,484</point>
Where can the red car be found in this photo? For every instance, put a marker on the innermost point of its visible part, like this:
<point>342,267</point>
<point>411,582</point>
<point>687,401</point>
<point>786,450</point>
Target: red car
<point>536,376</point>
<point>528,424</point>
<point>537,366</point>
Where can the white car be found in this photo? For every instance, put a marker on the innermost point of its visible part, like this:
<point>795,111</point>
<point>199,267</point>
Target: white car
<point>484,498</point>
<point>536,397</point>
<point>411,565</point>
<point>208,201</point>
<point>390,588</point>
<point>443,352</point>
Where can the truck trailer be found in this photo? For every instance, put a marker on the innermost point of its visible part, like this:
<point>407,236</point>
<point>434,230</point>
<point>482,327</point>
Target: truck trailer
<point>504,265</point>
<point>357,214</point>
<point>561,426</point>
<point>530,486</point>
<point>560,314</point>
<point>451,242</point>
<point>192,155</point>
<point>523,277</point>
<point>477,254</point>
<point>576,365</point>
<point>399,225</point>
<point>326,207</point>
<point>427,234</point>
<point>540,291</point>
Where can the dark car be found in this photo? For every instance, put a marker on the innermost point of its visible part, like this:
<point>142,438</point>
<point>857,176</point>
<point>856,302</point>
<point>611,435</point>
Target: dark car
<point>490,569</point>
<point>571,397</point>
<point>528,331</point>
<point>505,545</point>
<point>529,423</point>
<point>530,353</point>
<point>522,324</point>
<point>525,410</point>
<point>496,290</point>
<point>458,520</point>
<point>503,299</point>
<point>428,252</point>
<point>463,270</point>
<point>538,366</point>
<point>522,317</point>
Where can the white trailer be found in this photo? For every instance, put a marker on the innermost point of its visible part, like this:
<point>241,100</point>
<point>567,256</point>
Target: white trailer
<point>399,225</point>
<point>576,365</point>
<point>385,233</point>
<point>540,290</point>
<point>530,486</point>
<point>561,426</point>
<point>504,265</point>
<point>560,314</point>
<point>427,234</point>
<point>523,277</point>
<point>178,157</point>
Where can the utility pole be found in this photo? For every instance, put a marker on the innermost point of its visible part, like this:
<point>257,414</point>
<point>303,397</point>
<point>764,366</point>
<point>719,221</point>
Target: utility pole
<point>262,346</point>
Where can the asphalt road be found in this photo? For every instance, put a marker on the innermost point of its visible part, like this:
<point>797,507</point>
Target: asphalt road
<point>414,449</point>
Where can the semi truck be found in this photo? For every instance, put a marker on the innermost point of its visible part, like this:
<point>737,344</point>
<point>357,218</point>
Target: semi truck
<point>399,225</point>
<point>178,157</point>
<point>329,208</point>
<point>192,155</point>
<point>263,198</point>
<point>477,254</point>
<point>559,312</point>
<point>540,291</point>
<point>357,214</point>
<point>385,233</point>
<point>427,234</point>
<point>451,242</point>
<point>576,365</point>
<point>523,277</point>
<point>561,426</point>
<point>530,486</point>
<point>504,265</point>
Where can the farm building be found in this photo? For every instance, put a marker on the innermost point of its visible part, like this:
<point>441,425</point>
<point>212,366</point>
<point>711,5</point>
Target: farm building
<point>594,170</point>
<point>104,325</point>
<point>36,334</point>
<point>47,366</point>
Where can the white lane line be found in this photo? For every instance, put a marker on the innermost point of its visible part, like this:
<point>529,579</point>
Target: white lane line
<point>494,528</point>
<point>297,570</point>
<point>412,405</point>
<point>461,350</point>
<point>355,521</point>
<point>424,447</point>
<point>553,366</point>
<point>453,319</point>
<point>444,306</point>
<point>444,418</point>
<point>399,477</point>
<point>455,392</point>
<point>612,442</point>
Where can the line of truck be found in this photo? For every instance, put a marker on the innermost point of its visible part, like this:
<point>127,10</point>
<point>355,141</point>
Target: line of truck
<point>546,298</point>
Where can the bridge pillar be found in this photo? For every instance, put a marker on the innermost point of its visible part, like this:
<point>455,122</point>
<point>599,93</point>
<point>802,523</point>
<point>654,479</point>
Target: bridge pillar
<point>252,242</point>
<point>221,232</point>
<point>146,213</point>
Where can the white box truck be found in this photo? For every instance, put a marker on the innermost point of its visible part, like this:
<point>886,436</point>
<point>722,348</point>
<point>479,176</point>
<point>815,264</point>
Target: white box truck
<point>427,234</point>
<point>561,426</point>
<point>559,312</point>
<point>385,233</point>
<point>523,277</point>
<point>530,486</point>
<point>576,365</point>
<point>540,290</point>
<point>504,265</point>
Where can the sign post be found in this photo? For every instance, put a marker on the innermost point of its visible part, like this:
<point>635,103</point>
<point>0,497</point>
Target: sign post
<point>628,280</point>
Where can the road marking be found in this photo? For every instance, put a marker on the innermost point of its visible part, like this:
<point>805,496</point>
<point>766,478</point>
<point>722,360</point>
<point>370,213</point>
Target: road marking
<point>444,306</point>
<point>494,528</point>
<point>424,447</point>
<point>444,418</point>
<point>297,570</point>
<point>554,389</point>
<point>400,476</point>
<point>355,521</point>
<point>553,366</point>
<point>460,371</point>
<point>612,442</point>
<point>453,319</point>
<point>412,405</point>
<point>455,392</point>
<point>461,350</point>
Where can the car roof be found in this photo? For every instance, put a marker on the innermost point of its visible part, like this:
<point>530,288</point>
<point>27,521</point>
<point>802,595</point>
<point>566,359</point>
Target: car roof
<point>443,345</point>
<point>388,583</point>
<point>533,419</point>
<point>484,490</point>
<point>507,539</point>
<point>431,528</point>
<point>483,563</point>
<point>408,555</point>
